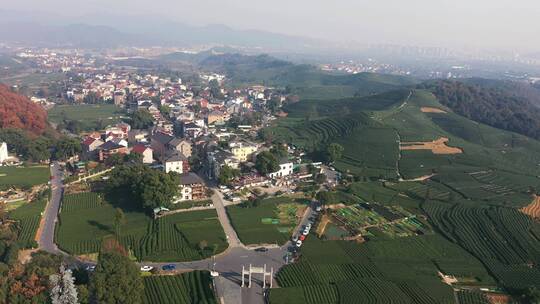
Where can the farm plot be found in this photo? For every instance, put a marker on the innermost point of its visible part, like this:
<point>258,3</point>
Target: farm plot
<point>90,116</point>
<point>28,217</point>
<point>312,134</point>
<point>188,288</point>
<point>270,222</point>
<point>24,177</point>
<point>391,271</point>
<point>437,146</point>
<point>494,187</point>
<point>374,220</point>
<point>370,152</point>
<point>86,219</point>
<point>471,297</point>
<point>503,238</point>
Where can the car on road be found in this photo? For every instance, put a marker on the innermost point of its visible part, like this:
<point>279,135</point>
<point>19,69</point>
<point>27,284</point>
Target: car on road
<point>146,268</point>
<point>298,243</point>
<point>261,249</point>
<point>168,267</point>
<point>90,267</point>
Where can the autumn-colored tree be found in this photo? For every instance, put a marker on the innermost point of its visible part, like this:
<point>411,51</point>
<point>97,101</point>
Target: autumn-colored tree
<point>17,111</point>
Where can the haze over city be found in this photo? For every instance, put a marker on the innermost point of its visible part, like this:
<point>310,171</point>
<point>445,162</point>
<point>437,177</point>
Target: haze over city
<point>502,24</point>
<point>270,152</point>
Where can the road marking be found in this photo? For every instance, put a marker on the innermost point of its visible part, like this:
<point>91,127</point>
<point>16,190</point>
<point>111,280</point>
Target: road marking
<point>244,256</point>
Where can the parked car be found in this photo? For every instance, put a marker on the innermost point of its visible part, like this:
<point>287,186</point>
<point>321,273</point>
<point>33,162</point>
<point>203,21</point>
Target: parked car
<point>318,209</point>
<point>146,268</point>
<point>90,267</point>
<point>261,249</point>
<point>168,267</point>
<point>302,238</point>
<point>298,243</point>
<point>294,238</point>
<point>305,232</point>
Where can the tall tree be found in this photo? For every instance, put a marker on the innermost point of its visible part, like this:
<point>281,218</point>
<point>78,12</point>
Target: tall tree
<point>67,147</point>
<point>334,152</point>
<point>116,280</point>
<point>266,162</point>
<point>141,119</point>
<point>63,289</point>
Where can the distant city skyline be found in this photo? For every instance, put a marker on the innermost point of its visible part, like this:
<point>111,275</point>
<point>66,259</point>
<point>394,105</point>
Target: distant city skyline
<point>500,24</point>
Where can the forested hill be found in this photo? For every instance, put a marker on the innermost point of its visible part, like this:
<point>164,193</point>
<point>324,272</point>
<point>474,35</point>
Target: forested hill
<point>495,106</point>
<point>17,112</point>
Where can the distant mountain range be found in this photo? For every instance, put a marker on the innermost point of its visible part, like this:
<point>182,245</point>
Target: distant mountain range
<point>113,31</point>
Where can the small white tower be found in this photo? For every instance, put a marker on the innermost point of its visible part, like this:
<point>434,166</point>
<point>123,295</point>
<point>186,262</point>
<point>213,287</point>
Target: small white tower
<point>3,152</point>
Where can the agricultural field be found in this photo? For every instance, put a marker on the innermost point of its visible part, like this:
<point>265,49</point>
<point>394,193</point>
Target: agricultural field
<point>188,288</point>
<point>270,222</point>
<point>369,152</point>
<point>28,217</point>
<point>86,218</point>
<point>471,297</point>
<point>24,177</point>
<point>373,220</point>
<point>310,135</point>
<point>472,196</point>
<point>504,239</point>
<point>90,116</point>
<point>381,271</point>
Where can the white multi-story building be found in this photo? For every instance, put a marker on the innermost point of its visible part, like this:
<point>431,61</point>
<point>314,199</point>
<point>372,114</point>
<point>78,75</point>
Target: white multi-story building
<point>3,152</point>
<point>285,169</point>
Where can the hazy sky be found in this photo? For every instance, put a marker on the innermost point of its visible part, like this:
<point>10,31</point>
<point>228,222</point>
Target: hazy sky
<point>509,24</point>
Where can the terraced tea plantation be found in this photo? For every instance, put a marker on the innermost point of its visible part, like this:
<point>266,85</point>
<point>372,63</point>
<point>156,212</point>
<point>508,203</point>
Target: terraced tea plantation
<point>188,288</point>
<point>28,217</point>
<point>86,218</point>
<point>504,239</point>
<point>389,271</point>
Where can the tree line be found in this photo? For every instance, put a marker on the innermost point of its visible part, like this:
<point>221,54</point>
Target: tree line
<point>497,107</point>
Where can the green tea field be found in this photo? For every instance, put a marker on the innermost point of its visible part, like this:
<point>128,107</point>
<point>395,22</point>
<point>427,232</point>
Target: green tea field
<point>86,218</point>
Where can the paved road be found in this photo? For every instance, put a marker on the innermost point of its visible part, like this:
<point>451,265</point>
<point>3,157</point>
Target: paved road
<point>219,204</point>
<point>46,239</point>
<point>228,264</point>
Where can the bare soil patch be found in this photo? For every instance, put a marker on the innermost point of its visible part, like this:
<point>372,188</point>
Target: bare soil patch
<point>497,298</point>
<point>322,225</point>
<point>24,256</point>
<point>431,110</point>
<point>438,146</point>
<point>533,209</point>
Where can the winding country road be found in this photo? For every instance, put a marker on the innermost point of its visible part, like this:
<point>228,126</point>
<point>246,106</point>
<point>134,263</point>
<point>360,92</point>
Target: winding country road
<point>47,226</point>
